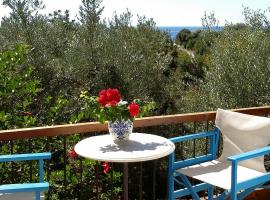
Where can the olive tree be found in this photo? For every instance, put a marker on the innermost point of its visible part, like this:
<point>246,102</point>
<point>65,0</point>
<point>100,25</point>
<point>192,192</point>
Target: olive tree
<point>240,71</point>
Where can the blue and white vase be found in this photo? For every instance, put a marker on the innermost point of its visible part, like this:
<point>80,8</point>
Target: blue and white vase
<point>120,130</point>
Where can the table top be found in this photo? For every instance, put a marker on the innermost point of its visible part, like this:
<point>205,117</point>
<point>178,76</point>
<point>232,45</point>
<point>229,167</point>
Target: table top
<point>140,147</point>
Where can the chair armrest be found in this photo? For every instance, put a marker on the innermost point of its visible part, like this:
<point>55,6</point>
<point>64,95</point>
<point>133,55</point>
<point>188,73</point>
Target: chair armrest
<point>235,186</point>
<point>22,157</point>
<point>192,136</point>
<point>211,155</point>
<point>250,154</point>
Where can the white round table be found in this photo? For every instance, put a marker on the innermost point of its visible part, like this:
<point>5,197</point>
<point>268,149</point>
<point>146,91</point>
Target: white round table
<point>140,147</point>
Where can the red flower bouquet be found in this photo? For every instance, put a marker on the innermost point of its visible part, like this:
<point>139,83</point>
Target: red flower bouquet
<point>109,106</point>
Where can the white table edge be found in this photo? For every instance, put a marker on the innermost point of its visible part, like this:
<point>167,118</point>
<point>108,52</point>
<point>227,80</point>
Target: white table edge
<point>127,159</point>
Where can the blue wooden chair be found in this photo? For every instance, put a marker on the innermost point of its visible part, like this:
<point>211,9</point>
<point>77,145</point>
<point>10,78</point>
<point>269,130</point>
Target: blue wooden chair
<point>8,190</point>
<point>240,168</point>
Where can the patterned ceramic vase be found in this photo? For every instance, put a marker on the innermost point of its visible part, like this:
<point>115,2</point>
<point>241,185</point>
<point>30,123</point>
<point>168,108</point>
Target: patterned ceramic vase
<point>120,130</point>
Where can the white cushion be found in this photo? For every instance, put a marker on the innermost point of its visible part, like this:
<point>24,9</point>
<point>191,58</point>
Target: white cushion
<point>20,196</point>
<point>218,173</point>
<point>242,133</point>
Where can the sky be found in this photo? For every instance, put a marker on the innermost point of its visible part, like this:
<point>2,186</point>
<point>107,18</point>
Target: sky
<point>165,12</point>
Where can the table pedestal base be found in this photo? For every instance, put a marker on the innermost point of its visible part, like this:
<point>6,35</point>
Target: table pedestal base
<point>125,181</point>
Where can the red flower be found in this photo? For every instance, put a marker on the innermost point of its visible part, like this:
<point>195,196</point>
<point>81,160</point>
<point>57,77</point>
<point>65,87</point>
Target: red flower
<point>102,100</point>
<point>134,109</point>
<point>72,154</point>
<point>103,92</point>
<point>109,97</point>
<point>106,167</point>
<point>113,95</point>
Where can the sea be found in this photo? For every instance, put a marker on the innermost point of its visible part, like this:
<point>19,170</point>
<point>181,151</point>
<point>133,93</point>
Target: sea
<point>173,30</point>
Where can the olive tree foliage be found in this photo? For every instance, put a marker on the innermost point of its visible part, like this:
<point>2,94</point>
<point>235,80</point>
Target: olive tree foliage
<point>257,19</point>
<point>239,76</point>
<point>90,12</point>
<point>116,54</point>
<point>48,36</point>
<point>139,57</point>
<point>182,37</point>
<point>89,54</point>
<point>210,22</point>
<point>18,26</point>
<point>85,55</point>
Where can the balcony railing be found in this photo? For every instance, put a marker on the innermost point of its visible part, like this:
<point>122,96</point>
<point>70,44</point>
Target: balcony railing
<point>65,174</point>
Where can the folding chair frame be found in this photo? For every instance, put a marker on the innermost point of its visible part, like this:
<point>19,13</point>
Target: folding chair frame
<point>27,187</point>
<point>238,190</point>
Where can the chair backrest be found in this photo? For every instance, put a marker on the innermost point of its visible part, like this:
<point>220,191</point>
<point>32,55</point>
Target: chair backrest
<point>242,133</point>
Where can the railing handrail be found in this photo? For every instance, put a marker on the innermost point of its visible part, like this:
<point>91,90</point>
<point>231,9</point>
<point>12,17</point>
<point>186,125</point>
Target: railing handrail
<point>90,127</point>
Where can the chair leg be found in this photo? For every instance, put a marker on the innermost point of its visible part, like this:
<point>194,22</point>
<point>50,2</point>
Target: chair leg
<point>222,196</point>
<point>187,183</point>
<point>210,193</point>
<point>233,196</point>
<point>171,177</point>
<point>171,187</point>
<point>38,195</point>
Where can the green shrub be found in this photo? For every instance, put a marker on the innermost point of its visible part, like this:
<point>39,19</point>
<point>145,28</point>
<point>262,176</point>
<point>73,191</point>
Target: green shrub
<point>17,89</point>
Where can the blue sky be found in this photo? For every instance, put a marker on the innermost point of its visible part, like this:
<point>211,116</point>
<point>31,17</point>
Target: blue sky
<point>166,12</point>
